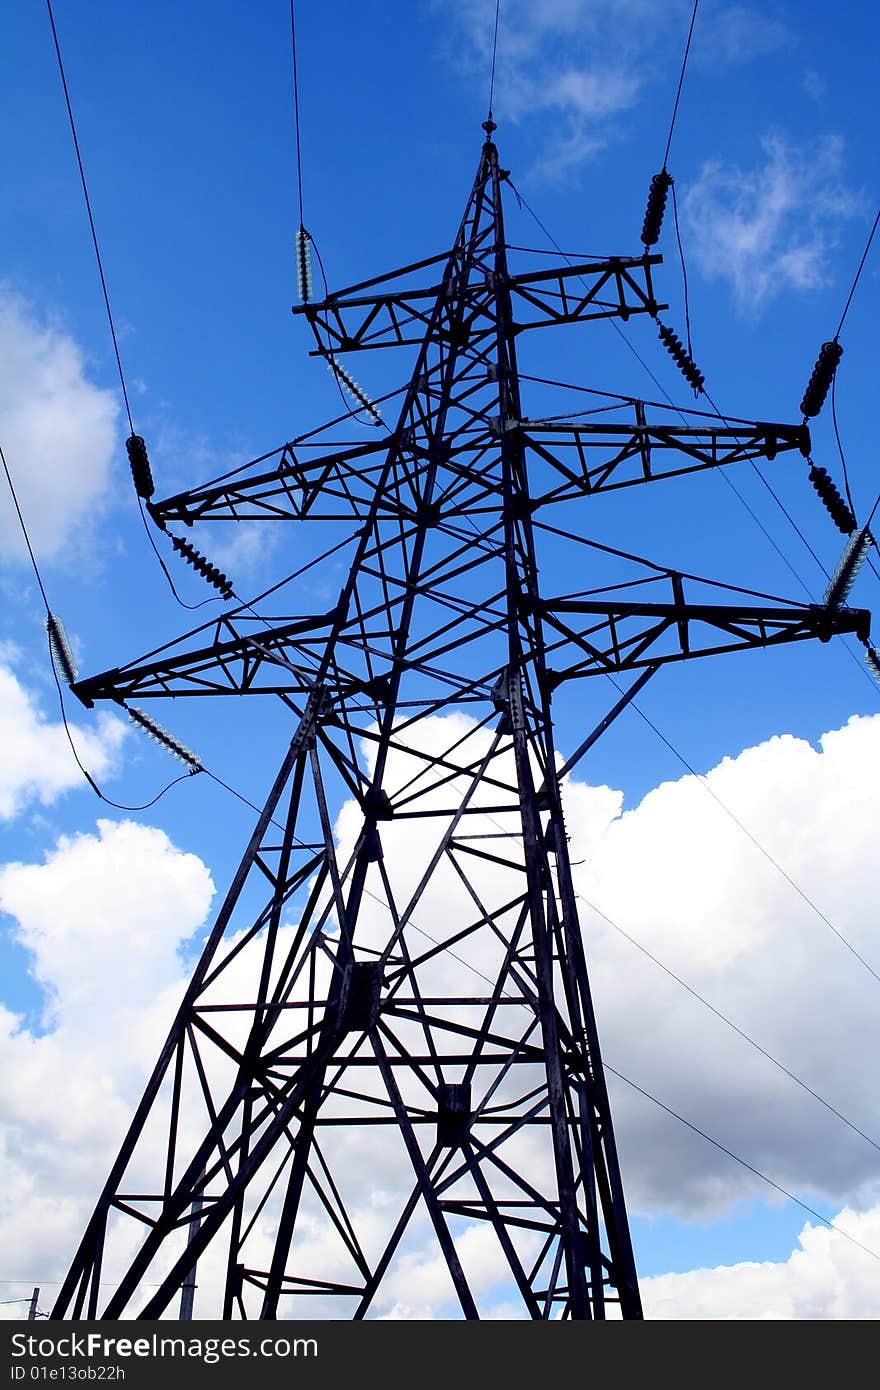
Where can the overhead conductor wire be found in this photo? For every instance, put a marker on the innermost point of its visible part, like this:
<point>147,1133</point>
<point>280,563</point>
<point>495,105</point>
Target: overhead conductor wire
<point>684,62</point>
<point>494,56</point>
<point>105,292</point>
<point>299,177</point>
<point>846,307</point>
<point>701,999</point>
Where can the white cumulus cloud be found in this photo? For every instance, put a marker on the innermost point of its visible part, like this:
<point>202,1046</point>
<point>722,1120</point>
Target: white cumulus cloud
<point>58,429</point>
<point>103,917</point>
<point>37,764</point>
<point>827,1276</point>
<point>106,914</point>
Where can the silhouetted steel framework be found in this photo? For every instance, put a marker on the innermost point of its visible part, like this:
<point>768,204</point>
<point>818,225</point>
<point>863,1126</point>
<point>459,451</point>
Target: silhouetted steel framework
<point>336,1026</point>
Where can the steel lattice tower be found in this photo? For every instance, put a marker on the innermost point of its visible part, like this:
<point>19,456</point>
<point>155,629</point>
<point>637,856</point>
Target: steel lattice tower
<point>404,984</point>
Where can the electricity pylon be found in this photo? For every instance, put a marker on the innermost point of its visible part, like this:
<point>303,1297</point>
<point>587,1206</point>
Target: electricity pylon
<point>389,1038</point>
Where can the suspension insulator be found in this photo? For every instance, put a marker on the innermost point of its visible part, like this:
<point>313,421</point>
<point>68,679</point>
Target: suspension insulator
<point>657,195</point>
<point>60,649</point>
<point>357,393</point>
<point>821,378</point>
<point>682,358</point>
<point>851,561</point>
<point>833,502</point>
<point>139,462</point>
<point>202,566</point>
<point>304,281</point>
<point>162,736</point>
<point>872,661</point>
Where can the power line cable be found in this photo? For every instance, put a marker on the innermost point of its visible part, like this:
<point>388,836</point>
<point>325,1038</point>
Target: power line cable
<point>706,1004</point>
<point>494,56</point>
<point>858,274</point>
<point>871,565</point>
<point>299,179</point>
<point>684,276</point>
<point>85,188</point>
<point>748,834</point>
<point>106,294</point>
<point>839,443</point>
<point>687,49</point>
<point>742,1161</point>
<point>728,1021</point>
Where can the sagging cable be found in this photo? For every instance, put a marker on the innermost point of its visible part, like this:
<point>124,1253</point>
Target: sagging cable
<point>304,278</point>
<point>357,393</point>
<point>139,462</point>
<point>682,358</point>
<point>833,502</point>
<point>162,736</point>
<point>203,566</point>
<point>851,561</point>
<point>60,649</point>
<point>657,195</point>
<point>821,378</point>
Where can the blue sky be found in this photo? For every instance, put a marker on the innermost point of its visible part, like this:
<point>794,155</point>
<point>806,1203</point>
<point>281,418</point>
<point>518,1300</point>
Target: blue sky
<point>186,126</point>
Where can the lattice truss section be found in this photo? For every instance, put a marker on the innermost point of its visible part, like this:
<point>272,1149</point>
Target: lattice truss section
<point>390,1033</point>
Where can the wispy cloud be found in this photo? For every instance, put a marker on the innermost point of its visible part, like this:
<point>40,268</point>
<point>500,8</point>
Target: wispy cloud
<point>772,227</point>
<point>589,62</point>
<point>583,63</point>
<point>736,34</point>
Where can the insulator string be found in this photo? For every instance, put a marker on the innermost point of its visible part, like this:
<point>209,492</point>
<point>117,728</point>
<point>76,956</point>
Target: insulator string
<point>59,651</point>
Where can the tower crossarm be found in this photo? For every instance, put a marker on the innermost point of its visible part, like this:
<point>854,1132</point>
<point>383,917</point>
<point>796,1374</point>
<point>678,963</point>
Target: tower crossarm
<point>598,457</point>
<point>589,457</point>
<point>614,288</point>
<point>280,660</point>
<point>287,486</point>
<point>597,637</point>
